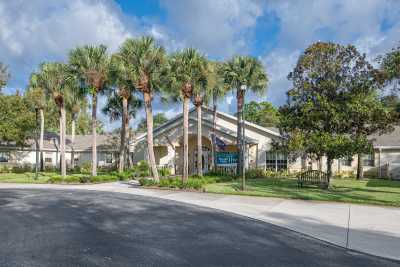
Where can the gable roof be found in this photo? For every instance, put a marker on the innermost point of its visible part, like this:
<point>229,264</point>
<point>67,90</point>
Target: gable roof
<point>387,140</point>
<point>105,142</point>
<point>165,126</point>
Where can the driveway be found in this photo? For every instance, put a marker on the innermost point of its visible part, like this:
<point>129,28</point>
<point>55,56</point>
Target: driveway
<point>42,227</point>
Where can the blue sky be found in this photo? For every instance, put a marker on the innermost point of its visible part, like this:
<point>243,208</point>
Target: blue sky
<point>275,31</point>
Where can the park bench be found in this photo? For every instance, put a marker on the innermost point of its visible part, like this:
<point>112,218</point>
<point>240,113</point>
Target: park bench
<point>313,177</point>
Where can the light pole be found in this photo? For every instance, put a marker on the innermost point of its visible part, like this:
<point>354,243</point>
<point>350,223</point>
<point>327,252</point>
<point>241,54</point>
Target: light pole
<point>37,143</point>
<point>243,152</point>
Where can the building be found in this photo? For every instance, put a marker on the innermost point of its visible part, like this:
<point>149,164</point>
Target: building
<point>168,148</point>
<point>107,149</point>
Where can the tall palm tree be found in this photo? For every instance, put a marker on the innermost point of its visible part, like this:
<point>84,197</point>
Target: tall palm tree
<point>187,78</point>
<point>239,73</point>
<point>75,102</point>
<point>147,64</point>
<point>120,106</point>
<point>218,91</point>
<point>38,97</point>
<point>53,78</point>
<point>91,64</point>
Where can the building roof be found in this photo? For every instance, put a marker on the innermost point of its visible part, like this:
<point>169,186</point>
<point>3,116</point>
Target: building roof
<point>105,142</point>
<point>387,140</point>
<point>165,126</point>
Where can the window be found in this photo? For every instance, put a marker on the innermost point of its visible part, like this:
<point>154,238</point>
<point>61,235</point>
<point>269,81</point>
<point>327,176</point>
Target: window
<point>48,160</point>
<point>346,161</point>
<point>368,160</point>
<point>109,158</point>
<point>276,161</point>
<point>4,156</point>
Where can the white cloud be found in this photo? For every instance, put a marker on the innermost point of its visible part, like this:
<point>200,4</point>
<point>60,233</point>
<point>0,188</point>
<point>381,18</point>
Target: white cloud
<point>35,31</point>
<point>218,28</point>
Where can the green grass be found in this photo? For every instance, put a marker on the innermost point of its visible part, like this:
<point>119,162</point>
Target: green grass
<point>26,177</point>
<point>372,191</point>
<point>52,177</point>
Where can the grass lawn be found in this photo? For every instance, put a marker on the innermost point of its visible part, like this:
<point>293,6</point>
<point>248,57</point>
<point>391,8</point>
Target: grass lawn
<point>26,177</point>
<point>368,191</point>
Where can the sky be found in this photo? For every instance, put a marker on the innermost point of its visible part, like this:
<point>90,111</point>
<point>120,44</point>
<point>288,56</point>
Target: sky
<point>275,31</point>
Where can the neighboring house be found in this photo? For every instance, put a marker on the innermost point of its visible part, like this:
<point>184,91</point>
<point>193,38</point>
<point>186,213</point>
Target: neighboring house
<point>107,148</point>
<point>168,148</point>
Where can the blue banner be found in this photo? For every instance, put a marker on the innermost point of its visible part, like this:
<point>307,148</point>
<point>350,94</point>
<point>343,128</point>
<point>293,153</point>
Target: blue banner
<point>226,158</point>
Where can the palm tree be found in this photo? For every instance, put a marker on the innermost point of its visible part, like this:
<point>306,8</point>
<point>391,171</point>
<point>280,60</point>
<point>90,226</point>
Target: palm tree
<point>91,64</point>
<point>53,78</point>
<point>120,106</point>
<point>75,102</point>
<point>147,64</point>
<point>217,92</point>
<point>4,75</point>
<point>38,97</point>
<point>241,73</point>
<point>188,77</point>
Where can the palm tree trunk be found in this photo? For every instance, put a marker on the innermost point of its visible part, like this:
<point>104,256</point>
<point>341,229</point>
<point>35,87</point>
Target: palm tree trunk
<point>213,148</point>
<point>239,130</point>
<point>360,172</point>
<point>73,126</point>
<point>41,113</point>
<point>199,143</point>
<point>185,173</point>
<point>94,135</point>
<point>150,145</point>
<point>123,134</point>
<point>62,144</point>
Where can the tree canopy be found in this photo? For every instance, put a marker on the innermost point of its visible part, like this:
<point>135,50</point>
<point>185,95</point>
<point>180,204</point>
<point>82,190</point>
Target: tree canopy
<point>333,101</point>
<point>261,113</point>
<point>158,119</point>
<point>17,121</point>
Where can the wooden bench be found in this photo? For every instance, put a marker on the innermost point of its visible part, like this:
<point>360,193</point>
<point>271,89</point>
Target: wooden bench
<point>313,177</point>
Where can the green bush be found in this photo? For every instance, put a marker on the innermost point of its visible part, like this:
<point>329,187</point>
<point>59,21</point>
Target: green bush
<point>22,168</point>
<point>255,173</point>
<point>164,172</point>
<point>5,169</point>
<point>147,182</point>
<point>86,167</point>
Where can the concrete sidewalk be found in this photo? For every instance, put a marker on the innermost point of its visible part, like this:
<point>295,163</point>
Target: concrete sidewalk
<point>370,229</point>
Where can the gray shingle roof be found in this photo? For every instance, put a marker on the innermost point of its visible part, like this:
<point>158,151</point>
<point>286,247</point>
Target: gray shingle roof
<point>387,139</point>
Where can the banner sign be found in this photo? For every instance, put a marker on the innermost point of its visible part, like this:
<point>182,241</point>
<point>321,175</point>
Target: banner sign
<point>226,158</point>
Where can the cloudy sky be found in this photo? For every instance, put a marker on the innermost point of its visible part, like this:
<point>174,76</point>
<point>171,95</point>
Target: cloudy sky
<point>276,31</point>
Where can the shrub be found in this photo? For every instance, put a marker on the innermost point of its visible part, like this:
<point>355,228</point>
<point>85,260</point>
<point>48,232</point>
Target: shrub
<point>164,172</point>
<point>26,167</point>
<point>86,167</point>
<point>147,182</point>
<point>255,173</point>
<point>5,169</point>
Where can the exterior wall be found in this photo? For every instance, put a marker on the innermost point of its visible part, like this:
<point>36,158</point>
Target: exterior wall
<point>27,157</point>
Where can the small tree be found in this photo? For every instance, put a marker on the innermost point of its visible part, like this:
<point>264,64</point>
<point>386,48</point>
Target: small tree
<point>116,109</point>
<point>4,75</point>
<point>261,113</point>
<point>158,119</point>
<point>325,78</point>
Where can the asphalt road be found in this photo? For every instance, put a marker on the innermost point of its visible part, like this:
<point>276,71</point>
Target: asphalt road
<point>80,228</point>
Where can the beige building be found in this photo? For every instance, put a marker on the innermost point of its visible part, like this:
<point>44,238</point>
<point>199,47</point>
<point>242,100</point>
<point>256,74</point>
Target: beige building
<point>384,162</point>
<point>107,149</point>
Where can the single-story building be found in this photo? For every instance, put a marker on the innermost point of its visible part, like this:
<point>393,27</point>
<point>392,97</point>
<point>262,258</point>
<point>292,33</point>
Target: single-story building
<point>107,149</point>
<point>168,148</point>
